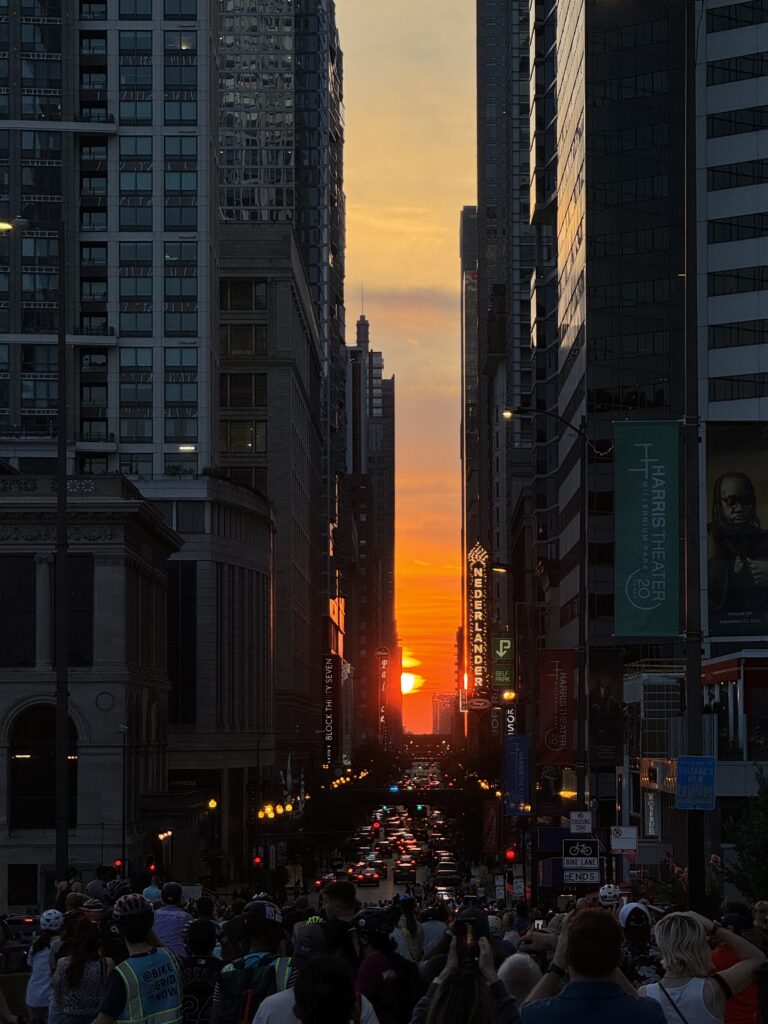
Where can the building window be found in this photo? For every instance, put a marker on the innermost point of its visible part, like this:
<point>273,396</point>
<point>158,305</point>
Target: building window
<point>93,290</point>
<point>94,323</point>
<point>181,111</point>
<point>236,294</point>
<point>32,753</point>
<point>91,152</point>
<point>181,325</point>
<point>244,341</point>
<point>136,325</point>
<point>181,9</point>
<point>182,641</point>
<point>243,390</point>
<point>39,394</point>
<point>17,610</point>
<point>732,389</point>
<point>136,464</point>
<point>136,147</point>
<point>136,111</point>
<point>723,19</point>
<point>136,182</point>
<point>181,181</point>
<point>180,147</point>
<point>748,172</point>
<point>181,218</point>
<point>93,254</point>
<point>190,516</point>
<point>93,220</point>
<point>93,44</point>
<point>181,464</point>
<point>180,78</point>
<point>136,10</point>
<point>737,122</point>
<point>243,437</point>
<point>136,77</point>
<point>181,43</point>
<point>737,69</point>
<point>135,218</point>
<point>737,229</point>
<point>135,289</point>
<point>748,332</point>
<point>180,289</point>
<point>738,281</point>
<point>138,254</point>
<point>135,43</point>
<point>93,465</point>
<point>181,359</point>
<point>93,11</point>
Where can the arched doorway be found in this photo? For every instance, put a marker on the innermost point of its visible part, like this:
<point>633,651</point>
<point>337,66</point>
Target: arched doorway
<point>32,769</point>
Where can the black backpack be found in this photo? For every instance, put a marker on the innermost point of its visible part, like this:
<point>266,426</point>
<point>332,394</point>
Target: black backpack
<point>243,989</point>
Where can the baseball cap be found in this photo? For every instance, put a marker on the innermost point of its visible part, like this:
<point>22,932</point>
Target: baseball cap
<point>152,893</point>
<point>311,941</point>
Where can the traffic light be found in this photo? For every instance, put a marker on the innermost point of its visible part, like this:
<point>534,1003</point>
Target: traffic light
<point>117,863</point>
<point>510,854</point>
<point>149,864</point>
<point>376,826</point>
<point>258,860</point>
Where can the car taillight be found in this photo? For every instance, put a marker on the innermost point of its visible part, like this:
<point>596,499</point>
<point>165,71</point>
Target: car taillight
<point>375,876</point>
<point>359,878</point>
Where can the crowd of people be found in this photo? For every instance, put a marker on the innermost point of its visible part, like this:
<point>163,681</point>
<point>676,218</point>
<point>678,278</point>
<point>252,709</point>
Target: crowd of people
<point>149,957</point>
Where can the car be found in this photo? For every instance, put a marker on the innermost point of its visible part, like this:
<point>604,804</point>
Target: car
<point>326,879</point>
<point>383,848</point>
<point>368,876</point>
<point>404,871</point>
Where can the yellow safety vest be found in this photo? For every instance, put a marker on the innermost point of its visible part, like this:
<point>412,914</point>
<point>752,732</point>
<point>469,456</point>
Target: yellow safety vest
<point>153,989</point>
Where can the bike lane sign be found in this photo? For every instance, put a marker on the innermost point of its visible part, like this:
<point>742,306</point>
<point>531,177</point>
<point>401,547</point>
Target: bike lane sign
<point>580,854</point>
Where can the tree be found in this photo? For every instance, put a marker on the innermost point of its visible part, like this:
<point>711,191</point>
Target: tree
<point>749,872</point>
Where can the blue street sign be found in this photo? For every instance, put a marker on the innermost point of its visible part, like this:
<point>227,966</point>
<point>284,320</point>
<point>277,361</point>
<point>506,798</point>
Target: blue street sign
<point>517,763</point>
<point>695,783</point>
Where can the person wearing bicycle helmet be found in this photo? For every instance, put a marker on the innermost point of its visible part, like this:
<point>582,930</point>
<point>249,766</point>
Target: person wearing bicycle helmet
<point>146,986</point>
<point>39,987</point>
<point>609,895</point>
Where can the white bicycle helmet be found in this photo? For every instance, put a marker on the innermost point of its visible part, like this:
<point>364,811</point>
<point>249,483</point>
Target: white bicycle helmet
<point>609,895</point>
<point>51,920</point>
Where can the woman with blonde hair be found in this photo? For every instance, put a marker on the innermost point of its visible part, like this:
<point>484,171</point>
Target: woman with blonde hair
<point>689,993</point>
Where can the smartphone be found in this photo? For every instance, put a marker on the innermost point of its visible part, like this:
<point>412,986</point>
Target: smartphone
<point>466,943</point>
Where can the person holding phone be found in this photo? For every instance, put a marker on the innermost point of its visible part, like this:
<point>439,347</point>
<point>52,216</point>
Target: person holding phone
<point>468,988</point>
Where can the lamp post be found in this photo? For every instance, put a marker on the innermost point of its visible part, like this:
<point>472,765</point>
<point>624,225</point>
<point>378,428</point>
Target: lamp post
<point>583,640</point>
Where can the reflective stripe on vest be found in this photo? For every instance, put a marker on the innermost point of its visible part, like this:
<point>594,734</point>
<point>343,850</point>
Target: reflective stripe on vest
<point>153,989</point>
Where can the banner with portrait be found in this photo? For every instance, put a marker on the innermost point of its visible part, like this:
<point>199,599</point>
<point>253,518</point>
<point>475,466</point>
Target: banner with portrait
<point>606,708</point>
<point>737,529</point>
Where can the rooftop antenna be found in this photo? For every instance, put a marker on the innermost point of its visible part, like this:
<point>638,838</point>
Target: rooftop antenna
<point>362,297</point>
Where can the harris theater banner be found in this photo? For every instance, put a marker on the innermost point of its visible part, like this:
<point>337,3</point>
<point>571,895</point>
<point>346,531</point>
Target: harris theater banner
<point>557,711</point>
<point>647,530</point>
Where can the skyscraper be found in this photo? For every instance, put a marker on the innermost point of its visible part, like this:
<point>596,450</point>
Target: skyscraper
<point>369,491</point>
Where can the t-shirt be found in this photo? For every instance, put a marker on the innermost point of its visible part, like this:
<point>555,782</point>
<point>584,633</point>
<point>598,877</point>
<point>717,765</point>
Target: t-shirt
<point>278,1009</point>
<point>39,983</point>
<point>741,1008</point>
<point>378,982</point>
<point>115,995</point>
<point>433,933</point>
<point>85,997</point>
<point>169,926</point>
<point>198,980</point>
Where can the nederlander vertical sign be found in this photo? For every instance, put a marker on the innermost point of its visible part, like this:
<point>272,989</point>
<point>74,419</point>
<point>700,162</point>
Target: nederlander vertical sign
<point>331,709</point>
<point>647,530</point>
<point>477,578</point>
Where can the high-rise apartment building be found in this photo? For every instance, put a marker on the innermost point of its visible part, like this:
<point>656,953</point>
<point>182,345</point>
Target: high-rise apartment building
<point>281,137</point>
<point>445,714</point>
<point>369,493</point>
<point>143,145</point>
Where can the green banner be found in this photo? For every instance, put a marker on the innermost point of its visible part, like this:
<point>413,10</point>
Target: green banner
<point>647,530</point>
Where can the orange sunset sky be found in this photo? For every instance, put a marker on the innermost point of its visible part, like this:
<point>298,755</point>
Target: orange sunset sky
<point>409,90</point>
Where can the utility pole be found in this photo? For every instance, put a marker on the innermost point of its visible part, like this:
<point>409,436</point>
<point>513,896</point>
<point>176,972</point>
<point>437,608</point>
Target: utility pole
<point>62,604</point>
<point>693,633</point>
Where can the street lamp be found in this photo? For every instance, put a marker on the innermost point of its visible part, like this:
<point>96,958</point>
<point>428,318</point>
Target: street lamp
<point>62,647</point>
<point>583,652</point>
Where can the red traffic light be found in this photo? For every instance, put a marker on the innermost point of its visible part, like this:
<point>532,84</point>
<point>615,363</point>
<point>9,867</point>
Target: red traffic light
<point>152,867</point>
<point>376,826</point>
<point>257,861</point>
<point>510,854</point>
<point>117,863</point>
